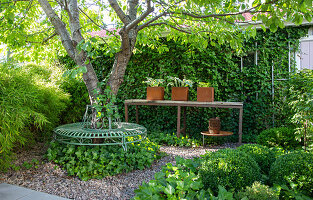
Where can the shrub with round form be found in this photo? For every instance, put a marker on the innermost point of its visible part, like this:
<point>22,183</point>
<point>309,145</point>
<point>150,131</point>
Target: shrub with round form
<point>261,154</point>
<point>229,168</point>
<point>294,168</point>
<point>278,137</point>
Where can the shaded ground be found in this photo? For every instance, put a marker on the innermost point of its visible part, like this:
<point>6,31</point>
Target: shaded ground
<point>49,178</point>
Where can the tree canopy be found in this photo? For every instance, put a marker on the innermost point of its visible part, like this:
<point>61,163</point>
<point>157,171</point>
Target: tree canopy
<point>42,27</point>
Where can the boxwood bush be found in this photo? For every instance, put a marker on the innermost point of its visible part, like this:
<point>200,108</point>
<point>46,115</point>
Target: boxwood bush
<point>88,162</point>
<point>261,154</point>
<point>229,168</point>
<point>278,137</point>
<point>294,169</point>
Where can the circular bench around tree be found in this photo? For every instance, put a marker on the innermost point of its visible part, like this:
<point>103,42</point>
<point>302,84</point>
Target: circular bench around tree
<point>118,133</point>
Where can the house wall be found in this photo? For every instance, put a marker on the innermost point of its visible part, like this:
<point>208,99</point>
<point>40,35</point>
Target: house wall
<point>304,58</point>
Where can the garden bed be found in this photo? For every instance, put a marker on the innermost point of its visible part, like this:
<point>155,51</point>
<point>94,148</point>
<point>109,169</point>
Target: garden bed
<point>47,177</point>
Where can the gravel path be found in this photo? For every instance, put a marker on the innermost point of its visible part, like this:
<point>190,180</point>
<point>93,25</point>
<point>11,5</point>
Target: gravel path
<point>49,178</point>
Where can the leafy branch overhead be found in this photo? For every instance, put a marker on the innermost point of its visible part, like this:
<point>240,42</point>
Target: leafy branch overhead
<point>43,26</point>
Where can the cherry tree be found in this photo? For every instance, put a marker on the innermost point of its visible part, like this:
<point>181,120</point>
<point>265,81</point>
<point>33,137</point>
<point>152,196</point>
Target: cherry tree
<point>42,24</point>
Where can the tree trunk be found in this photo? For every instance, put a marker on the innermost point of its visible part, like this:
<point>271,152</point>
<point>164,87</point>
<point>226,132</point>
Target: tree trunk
<point>122,59</point>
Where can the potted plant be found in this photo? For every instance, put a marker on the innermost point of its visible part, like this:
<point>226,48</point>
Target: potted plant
<point>180,88</point>
<point>154,91</point>
<point>205,92</point>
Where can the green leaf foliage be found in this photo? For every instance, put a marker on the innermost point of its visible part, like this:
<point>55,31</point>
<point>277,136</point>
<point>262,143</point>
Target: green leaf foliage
<point>219,65</point>
<point>263,155</point>
<point>278,137</point>
<point>258,191</point>
<point>295,170</point>
<point>168,139</point>
<point>180,181</point>
<point>300,97</point>
<point>229,168</point>
<point>89,162</point>
<point>31,103</point>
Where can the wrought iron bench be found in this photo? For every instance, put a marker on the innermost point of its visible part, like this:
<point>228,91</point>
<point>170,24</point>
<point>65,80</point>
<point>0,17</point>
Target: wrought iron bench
<point>80,133</point>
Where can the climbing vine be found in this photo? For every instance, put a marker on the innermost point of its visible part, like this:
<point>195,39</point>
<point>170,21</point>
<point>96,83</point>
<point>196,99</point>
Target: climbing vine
<point>235,77</point>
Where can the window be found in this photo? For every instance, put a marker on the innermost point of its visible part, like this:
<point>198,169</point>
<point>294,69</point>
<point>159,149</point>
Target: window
<point>305,56</point>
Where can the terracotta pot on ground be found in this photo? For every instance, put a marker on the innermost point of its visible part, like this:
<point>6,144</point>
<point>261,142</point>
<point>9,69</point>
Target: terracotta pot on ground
<point>180,93</point>
<point>214,125</point>
<point>155,93</point>
<point>205,94</point>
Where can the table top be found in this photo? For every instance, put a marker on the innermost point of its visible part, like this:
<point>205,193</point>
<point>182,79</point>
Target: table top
<point>222,133</point>
<point>184,103</point>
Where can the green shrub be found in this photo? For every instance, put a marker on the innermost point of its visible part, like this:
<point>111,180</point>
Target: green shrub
<point>261,154</point>
<point>229,168</point>
<point>79,98</point>
<point>31,103</point>
<point>88,162</point>
<point>278,137</point>
<point>258,191</point>
<point>162,138</point>
<point>294,169</point>
<point>174,182</point>
<point>300,98</point>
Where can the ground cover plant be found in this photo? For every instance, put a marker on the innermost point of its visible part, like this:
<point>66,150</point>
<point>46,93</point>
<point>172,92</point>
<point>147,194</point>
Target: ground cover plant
<point>31,103</point>
<point>258,191</point>
<point>175,182</point>
<point>89,162</point>
<point>168,139</point>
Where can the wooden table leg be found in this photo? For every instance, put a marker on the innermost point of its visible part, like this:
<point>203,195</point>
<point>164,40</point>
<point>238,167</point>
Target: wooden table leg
<point>184,121</point>
<point>137,117</point>
<point>126,113</point>
<point>178,120</point>
<point>240,125</point>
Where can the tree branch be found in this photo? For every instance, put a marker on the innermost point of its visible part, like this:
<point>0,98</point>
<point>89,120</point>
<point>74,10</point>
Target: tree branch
<point>74,21</point>
<point>48,38</point>
<point>250,10</point>
<point>59,27</point>
<point>102,27</point>
<point>167,24</point>
<point>119,11</point>
<point>83,12</point>
<point>151,20</point>
<point>141,17</point>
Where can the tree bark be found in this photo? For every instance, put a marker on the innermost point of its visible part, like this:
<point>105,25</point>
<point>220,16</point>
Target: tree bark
<point>70,41</point>
<point>121,59</point>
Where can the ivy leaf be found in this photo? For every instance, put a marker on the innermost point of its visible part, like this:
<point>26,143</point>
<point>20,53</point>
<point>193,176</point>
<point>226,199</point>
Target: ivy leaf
<point>195,185</point>
<point>169,190</point>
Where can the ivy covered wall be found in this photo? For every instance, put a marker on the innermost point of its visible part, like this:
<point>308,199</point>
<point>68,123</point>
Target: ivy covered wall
<point>235,78</point>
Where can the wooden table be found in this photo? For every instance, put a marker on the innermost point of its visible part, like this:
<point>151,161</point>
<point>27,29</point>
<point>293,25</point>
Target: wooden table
<point>182,105</point>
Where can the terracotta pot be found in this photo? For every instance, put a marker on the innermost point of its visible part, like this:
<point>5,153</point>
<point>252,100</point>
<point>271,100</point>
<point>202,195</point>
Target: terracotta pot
<point>155,93</point>
<point>214,125</point>
<point>180,93</point>
<point>205,94</point>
